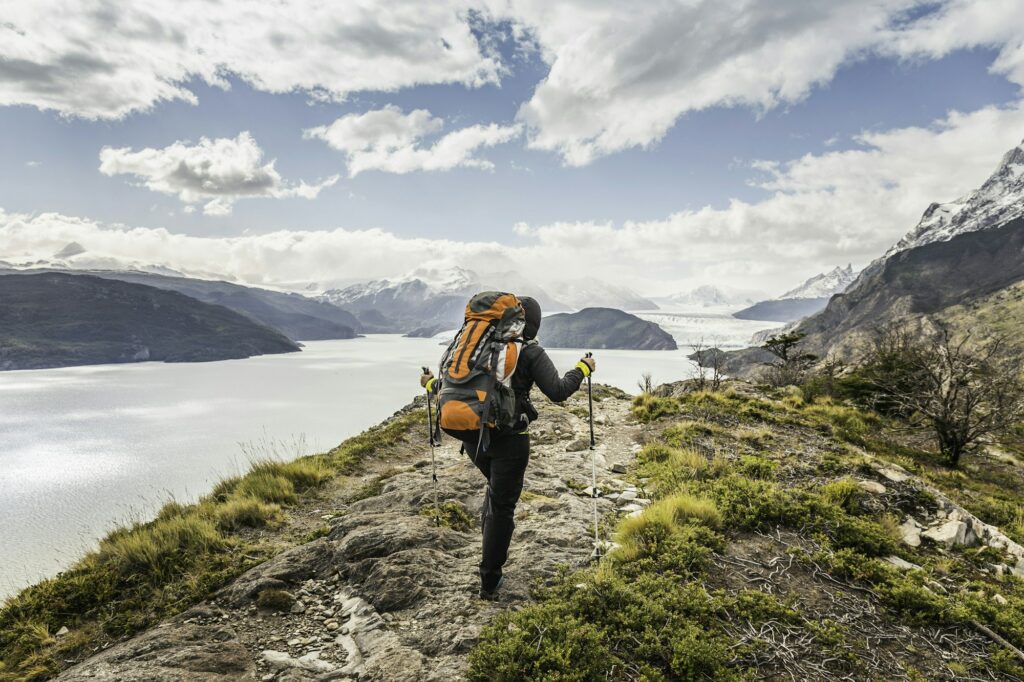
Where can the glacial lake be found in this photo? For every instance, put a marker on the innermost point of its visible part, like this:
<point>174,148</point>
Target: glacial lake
<point>84,449</point>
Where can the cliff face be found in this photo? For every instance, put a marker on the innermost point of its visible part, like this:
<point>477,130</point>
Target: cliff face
<point>921,281</point>
<point>58,320</point>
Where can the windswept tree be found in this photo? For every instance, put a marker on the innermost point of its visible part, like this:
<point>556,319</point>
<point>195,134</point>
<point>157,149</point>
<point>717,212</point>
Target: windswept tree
<point>965,389</point>
<point>791,362</point>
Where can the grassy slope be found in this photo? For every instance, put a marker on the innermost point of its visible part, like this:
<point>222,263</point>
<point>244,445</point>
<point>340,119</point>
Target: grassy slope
<point>142,574</point>
<point>731,472</point>
<point>1001,313</point>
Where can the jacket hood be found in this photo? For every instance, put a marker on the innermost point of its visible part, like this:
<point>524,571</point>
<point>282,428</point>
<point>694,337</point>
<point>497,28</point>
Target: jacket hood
<point>532,309</point>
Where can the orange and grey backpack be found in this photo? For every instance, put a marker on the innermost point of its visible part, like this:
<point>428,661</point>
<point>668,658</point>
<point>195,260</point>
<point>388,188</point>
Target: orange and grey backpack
<point>476,370</point>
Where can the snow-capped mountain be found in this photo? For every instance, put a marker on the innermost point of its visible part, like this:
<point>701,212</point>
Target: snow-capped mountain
<point>961,265</point>
<point>74,256</point>
<point>590,292</point>
<point>995,203</point>
<point>810,297</point>
<point>428,300</point>
<point>824,285</point>
<point>706,296</point>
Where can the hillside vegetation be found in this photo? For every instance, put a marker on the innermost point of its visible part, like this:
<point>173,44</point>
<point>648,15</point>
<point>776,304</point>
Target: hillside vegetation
<point>775,547</point>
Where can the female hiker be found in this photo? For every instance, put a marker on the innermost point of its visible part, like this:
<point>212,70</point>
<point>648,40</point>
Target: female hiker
<point>502,453</point>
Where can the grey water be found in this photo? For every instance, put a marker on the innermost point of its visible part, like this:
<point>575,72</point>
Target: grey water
<point>84,449</point>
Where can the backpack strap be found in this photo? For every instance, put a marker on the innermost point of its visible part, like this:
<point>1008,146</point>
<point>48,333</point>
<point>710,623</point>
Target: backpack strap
<point>484,441</point>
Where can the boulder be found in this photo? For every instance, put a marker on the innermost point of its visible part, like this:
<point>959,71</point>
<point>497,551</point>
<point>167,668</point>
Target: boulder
<point>873,487</point>
<point>911,532</point>
<point>950,533</point>
<point>894,474</point>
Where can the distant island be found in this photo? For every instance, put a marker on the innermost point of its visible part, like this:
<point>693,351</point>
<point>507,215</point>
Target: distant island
<point>60,320</point>
<point>603,328</point>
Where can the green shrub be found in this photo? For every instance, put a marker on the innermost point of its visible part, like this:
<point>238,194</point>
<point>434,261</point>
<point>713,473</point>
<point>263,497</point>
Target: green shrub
<point>267,487</point>
<point>223,490</point>
<point>844,493</point>
<point>160,548</point>
<point>667,466</point>
<point>245,512</point>
<point>686,432</point>
<point>757,467</point>
<point>541,642</point>
<point>349,454</point>
<point>661,528</point>
<point>647,408</point>
<point>305,473</point>
<point>170,510</point>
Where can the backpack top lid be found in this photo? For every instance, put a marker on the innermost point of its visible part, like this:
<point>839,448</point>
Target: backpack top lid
<point>502,309</point>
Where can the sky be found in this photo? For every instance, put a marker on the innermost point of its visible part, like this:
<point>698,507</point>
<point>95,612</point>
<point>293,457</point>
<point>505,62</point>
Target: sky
<point>747,144</point>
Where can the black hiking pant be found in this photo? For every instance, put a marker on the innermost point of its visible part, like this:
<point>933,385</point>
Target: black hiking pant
<point>504,466</point>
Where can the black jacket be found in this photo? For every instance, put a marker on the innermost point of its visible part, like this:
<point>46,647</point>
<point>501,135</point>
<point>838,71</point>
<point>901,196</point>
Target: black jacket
<point>535,367</point>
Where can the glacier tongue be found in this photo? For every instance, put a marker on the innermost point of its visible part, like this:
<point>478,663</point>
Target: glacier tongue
<point>995,203</point>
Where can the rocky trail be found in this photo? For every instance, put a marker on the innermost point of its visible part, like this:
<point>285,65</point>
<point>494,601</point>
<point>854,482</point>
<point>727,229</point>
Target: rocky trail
<point>387,594</point>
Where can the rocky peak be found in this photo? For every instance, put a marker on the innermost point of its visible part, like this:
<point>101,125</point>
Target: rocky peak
<point>999,200</point>
<point>825,284</point>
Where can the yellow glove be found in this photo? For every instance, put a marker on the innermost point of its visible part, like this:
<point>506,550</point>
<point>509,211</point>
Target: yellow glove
<point>587,366</point>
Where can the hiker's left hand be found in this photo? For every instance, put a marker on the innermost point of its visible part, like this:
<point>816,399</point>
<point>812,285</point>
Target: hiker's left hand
<point>590,362</point>
<point>424,378</point>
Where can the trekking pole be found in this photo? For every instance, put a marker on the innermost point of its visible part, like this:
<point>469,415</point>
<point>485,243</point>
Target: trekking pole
<point>593,464</point>
<point>433,461</point>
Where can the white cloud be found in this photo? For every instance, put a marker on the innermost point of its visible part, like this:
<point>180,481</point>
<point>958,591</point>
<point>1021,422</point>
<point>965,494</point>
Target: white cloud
<point>622,74</point>
<point>966,24</point>
<point>390,140</point>
<point>821,210</point>
<point>213,172</point>
<point>107,59</point>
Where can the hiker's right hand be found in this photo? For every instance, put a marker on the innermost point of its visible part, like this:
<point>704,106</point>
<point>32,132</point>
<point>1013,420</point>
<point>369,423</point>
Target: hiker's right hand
<point>425,378</point>
<point>591,364</point>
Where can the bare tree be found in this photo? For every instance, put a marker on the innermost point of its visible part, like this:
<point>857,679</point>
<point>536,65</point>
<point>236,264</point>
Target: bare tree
<point>697,359</point>
<point>966,391</point>
<point>708,362</point>
<point>646,383</point>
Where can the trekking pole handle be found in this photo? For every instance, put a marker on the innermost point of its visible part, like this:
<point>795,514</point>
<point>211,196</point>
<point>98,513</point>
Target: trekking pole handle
<point>426,370</point>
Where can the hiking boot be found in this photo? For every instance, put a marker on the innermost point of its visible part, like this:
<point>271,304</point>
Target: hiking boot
<point>492,594</point>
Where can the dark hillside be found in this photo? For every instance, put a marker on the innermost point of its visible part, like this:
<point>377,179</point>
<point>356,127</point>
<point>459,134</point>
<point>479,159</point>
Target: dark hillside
<point>58,320</point>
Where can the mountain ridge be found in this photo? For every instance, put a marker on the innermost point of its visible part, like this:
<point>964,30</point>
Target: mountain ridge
<point>59,320</point>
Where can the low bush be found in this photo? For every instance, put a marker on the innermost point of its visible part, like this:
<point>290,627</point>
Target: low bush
<point>159,549</point>
<point>245,512</point>
<point>267,487</point>
<point>647,408</point>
